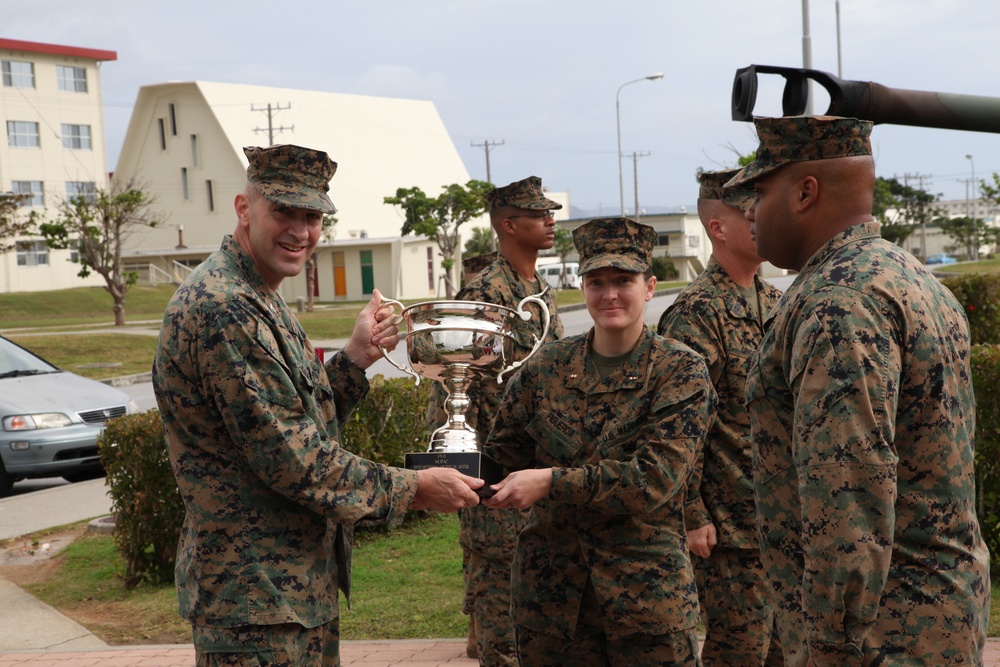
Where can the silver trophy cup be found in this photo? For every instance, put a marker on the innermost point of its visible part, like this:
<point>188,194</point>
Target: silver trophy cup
<point>456,343</point>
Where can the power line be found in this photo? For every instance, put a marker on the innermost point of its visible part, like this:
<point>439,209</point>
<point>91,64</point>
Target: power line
<point>271,129</point>
<point>486,145</point>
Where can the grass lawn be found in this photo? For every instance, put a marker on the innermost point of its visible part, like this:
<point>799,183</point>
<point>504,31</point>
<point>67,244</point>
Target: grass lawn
<point>407,584</point>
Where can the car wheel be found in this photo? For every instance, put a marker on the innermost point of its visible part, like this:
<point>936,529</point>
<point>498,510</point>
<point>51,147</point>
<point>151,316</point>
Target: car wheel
<point>6,481</point>
<point>92,473</point>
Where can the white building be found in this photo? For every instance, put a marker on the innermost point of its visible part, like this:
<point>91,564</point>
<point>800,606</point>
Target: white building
<point>930,239</point>
<point>52,113</point>
<point>185,142</point>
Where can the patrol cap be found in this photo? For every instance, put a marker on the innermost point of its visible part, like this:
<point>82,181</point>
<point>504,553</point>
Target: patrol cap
<point>292,175</point>
<point>476,263</point>
<point>621,243</point>
<point>522,194</point>
<point>788,139</point>
<point>712,183</point>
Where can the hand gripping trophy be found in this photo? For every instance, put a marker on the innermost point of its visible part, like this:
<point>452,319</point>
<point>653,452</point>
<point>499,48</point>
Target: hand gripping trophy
<point>456,342</point>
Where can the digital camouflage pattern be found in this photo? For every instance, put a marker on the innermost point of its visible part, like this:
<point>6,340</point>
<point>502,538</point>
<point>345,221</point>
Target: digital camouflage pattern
<point>252,425</point>
<point>473,265</point>
<point>526,193</point>
<point>803,138</point>
<point>621,450</point>
<point>292,175</point>
<point>591,645</point>
<point>713,318</point>
<point>711,185</point>
<point>285,645</point>
<point>488,536</point>
<point>621,243</point>
<point>863,413</point>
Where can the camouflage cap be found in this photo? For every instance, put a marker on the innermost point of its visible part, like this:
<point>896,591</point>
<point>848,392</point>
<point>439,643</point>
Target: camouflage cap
<point>476,263</point>
<point>712,183</point>
<point>802,138</point>
<point>617,242</point>
<point>522,194</point>
<point>292,175</point>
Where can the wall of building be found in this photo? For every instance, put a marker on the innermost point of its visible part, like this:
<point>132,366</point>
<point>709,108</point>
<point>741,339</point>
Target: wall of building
<point>50,162</point>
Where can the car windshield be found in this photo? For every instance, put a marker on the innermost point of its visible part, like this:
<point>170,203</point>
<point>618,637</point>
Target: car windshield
<point>16,361</point>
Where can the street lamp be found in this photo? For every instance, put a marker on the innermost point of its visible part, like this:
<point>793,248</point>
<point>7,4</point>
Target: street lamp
<point>975,225</point>
<point>618,121</point>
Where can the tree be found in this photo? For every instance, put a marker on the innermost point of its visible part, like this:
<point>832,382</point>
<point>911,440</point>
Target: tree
<point>968,234</point>
<point>991,193</point>
<point>901,209</point>
<point>329,222</point>
<point>481,242</point>
<point>439,218</point>
<point>13,225</point>
<point>100,224</point>
<point>563,245</point>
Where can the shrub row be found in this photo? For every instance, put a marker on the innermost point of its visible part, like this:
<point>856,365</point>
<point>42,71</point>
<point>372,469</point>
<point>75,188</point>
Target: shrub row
<point>979,294</point>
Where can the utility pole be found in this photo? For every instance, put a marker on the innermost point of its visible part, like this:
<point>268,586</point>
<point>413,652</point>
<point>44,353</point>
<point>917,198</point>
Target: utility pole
<point>635,178</point>
<point>486,145</point>
<point>271,129</point>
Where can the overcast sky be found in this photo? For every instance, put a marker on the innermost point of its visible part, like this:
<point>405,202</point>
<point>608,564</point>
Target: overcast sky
<point>542,76</point>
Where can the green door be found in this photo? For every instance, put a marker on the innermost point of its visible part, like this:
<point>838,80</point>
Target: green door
<point>367,272</point>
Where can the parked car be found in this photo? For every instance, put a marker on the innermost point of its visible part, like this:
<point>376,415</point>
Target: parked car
<point>553,275</point>
<point>941,258</point>
<point>50,419</point>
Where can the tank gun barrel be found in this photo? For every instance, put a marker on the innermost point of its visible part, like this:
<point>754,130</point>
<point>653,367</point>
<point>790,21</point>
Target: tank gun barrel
<point>869,101</point>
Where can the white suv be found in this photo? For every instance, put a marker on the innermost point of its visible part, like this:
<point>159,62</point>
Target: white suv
<point>553,275</point>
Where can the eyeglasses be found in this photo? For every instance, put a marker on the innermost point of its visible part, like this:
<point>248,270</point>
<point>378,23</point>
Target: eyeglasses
<point>537,215</point>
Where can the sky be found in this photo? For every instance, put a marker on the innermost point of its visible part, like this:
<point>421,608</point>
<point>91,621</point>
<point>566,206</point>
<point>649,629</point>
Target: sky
<point>538,80</point>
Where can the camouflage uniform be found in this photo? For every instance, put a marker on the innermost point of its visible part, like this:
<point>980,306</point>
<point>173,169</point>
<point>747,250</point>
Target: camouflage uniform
<point>863,416</point>
<point>713,318</point>
<point>488,536</point>
<point>251,424</point>
<point>602,571</point>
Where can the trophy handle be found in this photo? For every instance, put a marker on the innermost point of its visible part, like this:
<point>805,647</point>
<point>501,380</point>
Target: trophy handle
<point>526,315</point>
<point>385,353</point>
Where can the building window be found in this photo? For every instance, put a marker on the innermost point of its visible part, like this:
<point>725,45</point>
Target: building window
<point>34,192</point>
<point>173,119</point>
<point>32,253</point>
<point>430,268</point>
<point>18,74</point>
<point>85,189</point>
<point>72,79</point>
<point>195,153</point>
<point>163,134</point>
<point>211,195</point>
<point>74,251</point>
<point>184,183</point>
<point>663,239</point>
<point>22,134</point>
<point>76,137</point>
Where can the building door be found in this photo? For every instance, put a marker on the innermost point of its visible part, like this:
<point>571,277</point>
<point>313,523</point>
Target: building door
<point>339,276</point>
<point>367,273</point>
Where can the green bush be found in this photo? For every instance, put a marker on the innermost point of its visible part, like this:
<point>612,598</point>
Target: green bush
<point>145,499</point>
<point>979,294</point>
<point>985,380</point>
<point>664,269</point>
<point>390,421</point>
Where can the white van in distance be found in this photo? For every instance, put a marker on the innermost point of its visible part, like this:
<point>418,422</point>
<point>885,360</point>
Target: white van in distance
<point>553,275</point>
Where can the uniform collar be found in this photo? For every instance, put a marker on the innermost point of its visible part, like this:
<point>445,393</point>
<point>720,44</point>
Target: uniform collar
<point>583,374</point>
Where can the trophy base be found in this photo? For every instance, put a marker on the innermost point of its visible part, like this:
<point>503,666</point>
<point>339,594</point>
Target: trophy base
<point>473,464</point>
